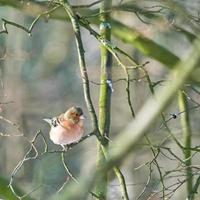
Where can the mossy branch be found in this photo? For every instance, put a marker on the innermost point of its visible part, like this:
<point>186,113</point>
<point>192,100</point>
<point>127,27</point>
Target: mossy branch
<point>186,129</point>
<point>104,96</point>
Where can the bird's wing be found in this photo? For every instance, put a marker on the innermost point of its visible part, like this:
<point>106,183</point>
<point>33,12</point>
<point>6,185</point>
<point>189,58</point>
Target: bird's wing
<point>52,121</point>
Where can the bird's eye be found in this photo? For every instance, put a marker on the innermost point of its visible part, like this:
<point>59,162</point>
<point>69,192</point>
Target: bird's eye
<point>77,114</point>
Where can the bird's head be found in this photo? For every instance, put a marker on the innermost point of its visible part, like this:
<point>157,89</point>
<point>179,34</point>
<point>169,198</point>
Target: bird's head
<point>75,114</point>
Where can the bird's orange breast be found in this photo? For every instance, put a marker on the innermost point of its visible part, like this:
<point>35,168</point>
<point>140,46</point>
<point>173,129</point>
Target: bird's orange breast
<point>67,124</point>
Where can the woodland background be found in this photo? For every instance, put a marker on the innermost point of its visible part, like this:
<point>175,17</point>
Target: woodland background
<point>40,77</point>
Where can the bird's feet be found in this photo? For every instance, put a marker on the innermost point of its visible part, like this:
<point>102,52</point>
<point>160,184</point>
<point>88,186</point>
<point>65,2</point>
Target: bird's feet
<point>63,147</point>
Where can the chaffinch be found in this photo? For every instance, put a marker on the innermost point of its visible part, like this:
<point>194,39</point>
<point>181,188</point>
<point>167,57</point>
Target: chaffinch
<point>68,127</point>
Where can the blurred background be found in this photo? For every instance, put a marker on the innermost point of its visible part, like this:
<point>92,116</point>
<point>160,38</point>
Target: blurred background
<point>40,77</point>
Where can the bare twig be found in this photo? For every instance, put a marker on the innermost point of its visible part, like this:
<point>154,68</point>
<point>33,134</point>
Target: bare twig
<point>87,6</point>
<point>20,164</point>
<point>37,155</point>
<point>147,182</point>
<point>30,29</point>
<point>121,79</point>
<point>158,167</point>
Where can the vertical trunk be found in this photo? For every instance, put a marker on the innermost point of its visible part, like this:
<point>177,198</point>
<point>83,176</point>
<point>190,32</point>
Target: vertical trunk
<point>105,93</point>
<point>183,106</point>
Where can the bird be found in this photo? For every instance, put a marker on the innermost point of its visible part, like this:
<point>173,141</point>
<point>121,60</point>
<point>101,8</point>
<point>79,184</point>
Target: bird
<point>67,128</point>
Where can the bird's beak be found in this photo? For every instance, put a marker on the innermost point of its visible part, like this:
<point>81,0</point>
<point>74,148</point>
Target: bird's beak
<point>48,120</point>
<point>82,117</point>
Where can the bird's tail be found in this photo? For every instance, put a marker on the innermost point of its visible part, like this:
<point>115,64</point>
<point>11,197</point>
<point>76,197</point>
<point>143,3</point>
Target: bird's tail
<point>48,120</point>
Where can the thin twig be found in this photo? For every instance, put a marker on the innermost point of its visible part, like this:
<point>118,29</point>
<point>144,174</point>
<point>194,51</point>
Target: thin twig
<point>36,156</point>
<point>68,172</point>
<point>30,29</point>
<point>9,122</point>
<point>157,165</point>
<point>66,168</point>
<point>20,164</point>
<point>86,6</point>
<point>146,184</point>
